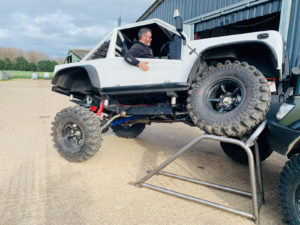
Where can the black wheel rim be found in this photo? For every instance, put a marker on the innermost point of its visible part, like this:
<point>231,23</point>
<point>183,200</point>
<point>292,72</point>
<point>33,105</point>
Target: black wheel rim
<point>297,200</point>
<point>72,135</point>
<point>225,96</point>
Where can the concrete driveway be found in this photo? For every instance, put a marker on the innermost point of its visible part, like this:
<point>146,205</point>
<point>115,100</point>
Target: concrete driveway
<point>37,186</point>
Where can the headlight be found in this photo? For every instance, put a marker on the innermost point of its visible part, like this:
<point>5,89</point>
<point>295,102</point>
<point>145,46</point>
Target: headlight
<point>283,110</point>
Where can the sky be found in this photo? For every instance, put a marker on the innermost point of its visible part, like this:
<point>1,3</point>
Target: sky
<point>56,26</point>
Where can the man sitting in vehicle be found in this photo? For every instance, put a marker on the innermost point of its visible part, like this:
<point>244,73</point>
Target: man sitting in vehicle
<point>140,49</point>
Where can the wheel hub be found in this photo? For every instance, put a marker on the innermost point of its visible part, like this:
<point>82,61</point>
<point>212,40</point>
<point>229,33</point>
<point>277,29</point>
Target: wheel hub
<point>72,134</point>
<point>225,96</point>
<point>227,101</point>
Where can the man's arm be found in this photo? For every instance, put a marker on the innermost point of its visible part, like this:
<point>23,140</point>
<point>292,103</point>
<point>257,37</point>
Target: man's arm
<point>130,58</point>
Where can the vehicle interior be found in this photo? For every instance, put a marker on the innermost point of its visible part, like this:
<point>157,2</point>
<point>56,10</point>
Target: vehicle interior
<point>165,44</point>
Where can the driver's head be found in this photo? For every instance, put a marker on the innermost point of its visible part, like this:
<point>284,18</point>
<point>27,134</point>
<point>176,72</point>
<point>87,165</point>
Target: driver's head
<point>145,36</point>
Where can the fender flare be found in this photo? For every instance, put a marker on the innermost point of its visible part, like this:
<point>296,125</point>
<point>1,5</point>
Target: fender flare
<point>202,57</point>
<point>90,70</point>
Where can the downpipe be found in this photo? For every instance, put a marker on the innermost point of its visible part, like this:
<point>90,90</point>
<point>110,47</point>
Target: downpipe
<point>112,122</point>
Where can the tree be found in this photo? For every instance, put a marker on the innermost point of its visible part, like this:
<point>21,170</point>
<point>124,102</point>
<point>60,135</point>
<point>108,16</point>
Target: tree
<point>32,56</point>
<point>32,67</point>
<point>60,60</point>
<point>22,64</point>
<point>46,65</point>
<point>2,64</point>
<point>8,64</point>
<point>2,53</point>
<point>13,53</point>
<point>42,56</point>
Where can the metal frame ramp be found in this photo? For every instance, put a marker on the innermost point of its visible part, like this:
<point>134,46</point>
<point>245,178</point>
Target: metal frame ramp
<point>256,194</point>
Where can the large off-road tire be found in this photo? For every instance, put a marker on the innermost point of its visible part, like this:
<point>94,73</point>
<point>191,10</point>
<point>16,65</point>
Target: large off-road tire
<point>229,100</point>
<point>238,154</point>
<point>76,133</point>
<point>289,191</point>
<point>129,131</point>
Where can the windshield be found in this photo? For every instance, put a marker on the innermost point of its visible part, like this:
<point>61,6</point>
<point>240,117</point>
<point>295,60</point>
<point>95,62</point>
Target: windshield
<point>100,51</point>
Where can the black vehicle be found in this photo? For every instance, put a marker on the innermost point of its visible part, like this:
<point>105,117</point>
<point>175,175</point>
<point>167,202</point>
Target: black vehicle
<point>282,135</point>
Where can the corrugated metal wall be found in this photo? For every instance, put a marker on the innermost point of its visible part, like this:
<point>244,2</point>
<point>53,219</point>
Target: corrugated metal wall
<point>245,14</point>
<point>208,14</point>
<point>188,8</point>
<point>194,8</point>
<point>293,39</point>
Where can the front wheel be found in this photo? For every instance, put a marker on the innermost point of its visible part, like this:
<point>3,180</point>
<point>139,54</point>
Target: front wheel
<point>289,191</point>
<point>230,99</point>
<point>76,133</point>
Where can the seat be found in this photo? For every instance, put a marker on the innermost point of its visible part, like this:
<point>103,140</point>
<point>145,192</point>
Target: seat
<point>125,46</point>
<point>175,49</point>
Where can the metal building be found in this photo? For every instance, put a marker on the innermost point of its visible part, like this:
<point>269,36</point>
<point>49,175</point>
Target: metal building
<point>212,18</point>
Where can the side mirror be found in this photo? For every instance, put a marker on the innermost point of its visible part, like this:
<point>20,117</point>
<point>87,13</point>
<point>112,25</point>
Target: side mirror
<point>178,21</point>
<point>179,25</point>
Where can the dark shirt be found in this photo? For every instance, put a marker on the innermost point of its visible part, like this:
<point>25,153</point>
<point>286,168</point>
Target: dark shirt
<point>138,50</point>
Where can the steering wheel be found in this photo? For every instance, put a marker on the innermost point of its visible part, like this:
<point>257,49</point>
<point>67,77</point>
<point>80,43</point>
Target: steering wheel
<point>164,48</point>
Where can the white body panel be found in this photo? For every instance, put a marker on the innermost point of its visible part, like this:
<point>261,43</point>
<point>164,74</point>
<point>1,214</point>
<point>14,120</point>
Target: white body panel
<point>274,42</point>
<point>115,72</point>
<point>120,73</point>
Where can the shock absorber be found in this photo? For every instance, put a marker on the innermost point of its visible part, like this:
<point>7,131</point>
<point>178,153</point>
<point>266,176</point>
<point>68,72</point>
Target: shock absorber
<point>100,110</point>
<point>103,104</point>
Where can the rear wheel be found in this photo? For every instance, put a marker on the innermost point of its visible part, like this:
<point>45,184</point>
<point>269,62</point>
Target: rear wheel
<point>129,131</point>
<point>289,191</point>
<point>239,155</point>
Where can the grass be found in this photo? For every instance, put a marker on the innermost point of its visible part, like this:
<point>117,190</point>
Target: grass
<point>25,74</point>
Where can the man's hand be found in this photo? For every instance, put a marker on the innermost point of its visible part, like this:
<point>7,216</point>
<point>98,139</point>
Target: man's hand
<point>143,65</point>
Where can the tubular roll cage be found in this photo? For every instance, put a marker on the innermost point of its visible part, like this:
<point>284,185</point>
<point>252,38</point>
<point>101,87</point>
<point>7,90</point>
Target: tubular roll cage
<point>256,194</point>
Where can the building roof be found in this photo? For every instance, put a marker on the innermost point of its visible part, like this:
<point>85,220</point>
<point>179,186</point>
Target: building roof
<point>149,10</point>
<point>80,53</point>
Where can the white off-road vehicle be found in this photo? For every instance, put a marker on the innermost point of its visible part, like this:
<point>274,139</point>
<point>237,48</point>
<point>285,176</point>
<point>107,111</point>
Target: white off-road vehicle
<point>222,85</point>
